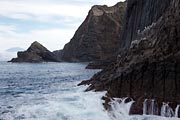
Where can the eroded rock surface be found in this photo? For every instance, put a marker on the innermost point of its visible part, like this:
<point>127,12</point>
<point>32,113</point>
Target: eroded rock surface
<point>97,37</point>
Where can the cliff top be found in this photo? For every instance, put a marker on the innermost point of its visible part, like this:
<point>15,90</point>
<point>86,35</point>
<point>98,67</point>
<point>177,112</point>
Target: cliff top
<point>98,10</point>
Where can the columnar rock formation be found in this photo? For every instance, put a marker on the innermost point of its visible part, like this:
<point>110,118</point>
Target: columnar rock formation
<point>97,37</point>
<point>35,53</point>
<point>140,14</point>
<point>147,66</point>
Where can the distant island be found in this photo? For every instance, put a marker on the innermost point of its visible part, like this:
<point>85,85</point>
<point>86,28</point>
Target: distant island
<point>35,53</point>
<point>15,49</point>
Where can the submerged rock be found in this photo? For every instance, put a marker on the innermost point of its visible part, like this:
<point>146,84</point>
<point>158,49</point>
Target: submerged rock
<point>35,53</point>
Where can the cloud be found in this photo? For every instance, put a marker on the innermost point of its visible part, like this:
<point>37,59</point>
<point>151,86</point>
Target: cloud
<point>45,10</point>
<point>7,28</point>
<point>53,38</point>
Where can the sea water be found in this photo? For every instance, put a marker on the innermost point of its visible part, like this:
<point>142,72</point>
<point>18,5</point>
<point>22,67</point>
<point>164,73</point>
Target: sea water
<point>49,91</point>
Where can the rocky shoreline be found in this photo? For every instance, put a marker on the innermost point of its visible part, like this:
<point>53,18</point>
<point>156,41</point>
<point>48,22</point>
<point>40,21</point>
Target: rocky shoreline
<point>149,67</point>
<point>137,43</point>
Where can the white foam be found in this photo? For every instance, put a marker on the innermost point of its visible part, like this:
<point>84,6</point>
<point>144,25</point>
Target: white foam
<point>177,111</point>
<point>66,105</point>
<point>120,111</point>
<point>75,104</point>
<point>166,110</point>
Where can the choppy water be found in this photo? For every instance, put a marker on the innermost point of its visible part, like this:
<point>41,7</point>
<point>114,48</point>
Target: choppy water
<point>49,91</point>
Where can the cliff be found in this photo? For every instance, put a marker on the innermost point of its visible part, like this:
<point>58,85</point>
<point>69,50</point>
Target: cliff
<point>35,53</point>
<point>97,37</point>
<point>147,67</point>
<point>140,14</point>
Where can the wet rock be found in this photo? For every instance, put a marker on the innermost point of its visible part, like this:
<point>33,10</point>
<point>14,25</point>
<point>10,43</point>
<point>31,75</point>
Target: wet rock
<point>84,82</point>
<point>106,102</point>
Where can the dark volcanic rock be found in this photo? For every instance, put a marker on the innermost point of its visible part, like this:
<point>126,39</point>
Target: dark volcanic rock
<point>149,67</point>
<point>97,37</point>
<point>35,53</point>
<point>140,14</point>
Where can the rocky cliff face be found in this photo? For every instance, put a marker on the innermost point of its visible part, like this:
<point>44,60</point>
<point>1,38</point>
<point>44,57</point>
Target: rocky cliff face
<point>149,67</point>
<point>35,53</point>
<point>97,37</point>
<point>140,14</point>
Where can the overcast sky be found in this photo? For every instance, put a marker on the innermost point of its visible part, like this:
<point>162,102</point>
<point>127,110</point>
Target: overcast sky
<point>51,22</point>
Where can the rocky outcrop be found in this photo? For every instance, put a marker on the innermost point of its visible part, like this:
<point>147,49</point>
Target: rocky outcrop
<point>98,65</point>
<point>58,54</point>
<point>35,53</point>
<point>97,37</point>
<point>148,65</point>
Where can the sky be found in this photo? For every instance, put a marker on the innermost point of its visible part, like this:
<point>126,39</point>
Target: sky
<point>50,22</point>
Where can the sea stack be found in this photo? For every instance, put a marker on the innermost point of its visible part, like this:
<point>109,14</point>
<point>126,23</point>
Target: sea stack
<point>35,53</point>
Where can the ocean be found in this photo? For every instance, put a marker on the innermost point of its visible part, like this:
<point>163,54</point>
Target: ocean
<point>49,91</point>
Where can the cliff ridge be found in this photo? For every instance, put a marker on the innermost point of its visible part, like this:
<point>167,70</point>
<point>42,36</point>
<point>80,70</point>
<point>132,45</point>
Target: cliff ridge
<point>97,37</point>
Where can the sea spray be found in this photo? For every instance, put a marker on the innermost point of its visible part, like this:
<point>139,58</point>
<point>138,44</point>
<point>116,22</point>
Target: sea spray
<point>166,110</point>
<point>119,108</point>
<point>152,111</point>
<point>145,107</point>
<point>177,111</point>
<point>150,107</point>
<point>74,104</point>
